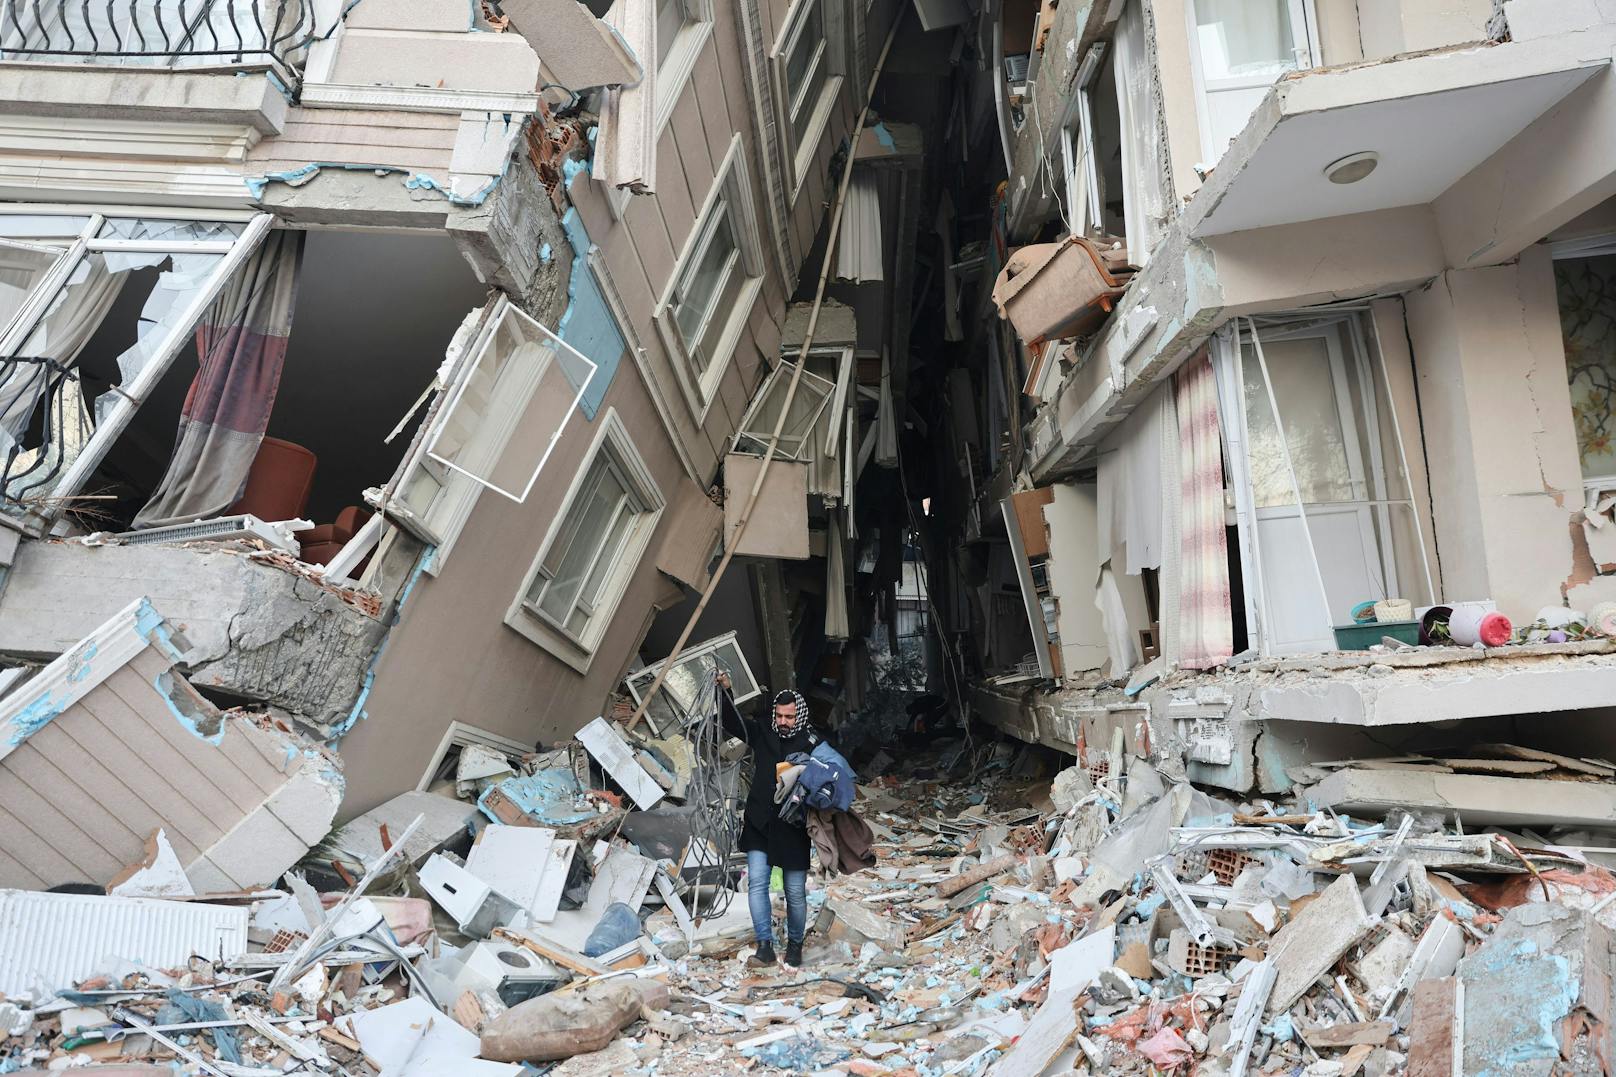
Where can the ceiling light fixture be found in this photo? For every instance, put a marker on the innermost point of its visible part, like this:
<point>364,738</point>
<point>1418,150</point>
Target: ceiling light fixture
<point>1352,168</point>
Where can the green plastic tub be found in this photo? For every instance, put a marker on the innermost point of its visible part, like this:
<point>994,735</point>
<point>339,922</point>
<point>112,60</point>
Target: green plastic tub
<point>1357,637</point>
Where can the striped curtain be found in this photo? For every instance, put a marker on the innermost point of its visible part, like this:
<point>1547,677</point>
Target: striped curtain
<point>1206,631</point>
<point>241,348</point>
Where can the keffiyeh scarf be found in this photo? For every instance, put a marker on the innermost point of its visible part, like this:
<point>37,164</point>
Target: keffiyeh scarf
<point>787,728</point>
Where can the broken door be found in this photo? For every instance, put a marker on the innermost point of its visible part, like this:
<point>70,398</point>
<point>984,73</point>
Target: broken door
<point>1323,505</point>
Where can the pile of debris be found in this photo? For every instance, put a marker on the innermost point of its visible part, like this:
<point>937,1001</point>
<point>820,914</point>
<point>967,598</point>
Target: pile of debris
<point>553,912</point>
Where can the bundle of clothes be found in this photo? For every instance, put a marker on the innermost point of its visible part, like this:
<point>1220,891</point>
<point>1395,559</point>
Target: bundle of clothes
<point>815,790</point>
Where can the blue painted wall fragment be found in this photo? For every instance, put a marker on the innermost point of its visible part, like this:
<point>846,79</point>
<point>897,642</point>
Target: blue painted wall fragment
<point>549,796</point>
<point>588,324</point>
<point>147,624</point>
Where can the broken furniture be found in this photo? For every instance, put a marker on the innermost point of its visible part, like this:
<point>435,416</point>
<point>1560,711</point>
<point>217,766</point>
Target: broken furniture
<point>322,542</point>
<point>1061,289</point>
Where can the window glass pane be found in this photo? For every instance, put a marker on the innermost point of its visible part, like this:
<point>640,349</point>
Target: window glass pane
<point>670,20</point>
<point>701,281</point>
<point>159,229</point>
<point>594,515</point>
<point>806,97</point>
<point>21,268</point>
<point>1244,38</point>
<point>728,296</point>
<point>41,226</point>
<point>1305,390</point>
<point>804,48</point>
<point>1587,293</point>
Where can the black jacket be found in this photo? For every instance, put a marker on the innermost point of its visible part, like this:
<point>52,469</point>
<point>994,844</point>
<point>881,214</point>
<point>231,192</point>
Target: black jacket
<point>785,843</point>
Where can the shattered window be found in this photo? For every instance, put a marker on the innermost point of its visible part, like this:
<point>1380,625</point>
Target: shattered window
<point>510,406</point>
<point>691,678</point>
<point>1586,288</point>
<point>51,407</point>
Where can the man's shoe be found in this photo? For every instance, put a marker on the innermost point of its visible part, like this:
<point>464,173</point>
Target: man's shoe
<point>794,954</point>
<point>763,958</point>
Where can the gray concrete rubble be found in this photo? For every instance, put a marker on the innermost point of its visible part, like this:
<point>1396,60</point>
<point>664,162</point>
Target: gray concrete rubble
<point>261,627</point>
<point>1022,917</point>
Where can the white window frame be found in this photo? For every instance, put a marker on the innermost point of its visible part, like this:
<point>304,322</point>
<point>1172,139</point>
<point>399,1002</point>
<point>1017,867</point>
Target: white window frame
<point>1077,147</point>
<point>578,651</point>
<point>462,735</point>
<point>732,192</point>
<point>108,429</point>
<point>445,516</point>
<point>673,74</point>
<point>1370,477</point>
<point>639,682</point>
<point>799,155</point>
<point>1304,28</point>
<point>672,77</point>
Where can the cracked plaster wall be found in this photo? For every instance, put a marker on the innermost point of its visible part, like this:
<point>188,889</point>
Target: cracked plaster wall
<point>1505,475</point>
<point>256,631</point>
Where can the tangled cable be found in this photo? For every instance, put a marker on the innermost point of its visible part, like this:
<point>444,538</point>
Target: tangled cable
<point>714,794</point>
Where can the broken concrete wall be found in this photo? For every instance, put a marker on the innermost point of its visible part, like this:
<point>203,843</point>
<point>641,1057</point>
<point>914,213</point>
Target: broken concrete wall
<point>514,241</point>
<point>1505,475</point>
<point>1391,27</point>
<point>256,631</point>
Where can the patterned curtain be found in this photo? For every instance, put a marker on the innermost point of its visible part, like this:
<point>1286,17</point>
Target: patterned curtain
<point>1206,630</point>
<point>241,348</point>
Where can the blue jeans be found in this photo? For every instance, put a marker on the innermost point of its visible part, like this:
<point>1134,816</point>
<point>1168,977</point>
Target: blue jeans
<point>757,898</point>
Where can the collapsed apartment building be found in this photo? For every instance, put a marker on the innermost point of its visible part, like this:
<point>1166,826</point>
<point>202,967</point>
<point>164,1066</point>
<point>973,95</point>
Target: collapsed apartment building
<point>1163,339</point>
<point>1332,333</point>
<point>390,359</point>
<point>395,394</point>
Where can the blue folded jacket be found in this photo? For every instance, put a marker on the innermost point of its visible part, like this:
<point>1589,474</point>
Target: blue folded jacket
<point>827,778</point>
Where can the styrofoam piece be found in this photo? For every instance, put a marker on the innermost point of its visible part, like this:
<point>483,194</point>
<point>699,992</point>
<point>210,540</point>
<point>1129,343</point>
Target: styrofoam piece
<point>513,860</point>
<point>612,752</point>
<point>160,874</point>
<point>61,939</point>
<point>1076,965</point>
<point>411,1039</point>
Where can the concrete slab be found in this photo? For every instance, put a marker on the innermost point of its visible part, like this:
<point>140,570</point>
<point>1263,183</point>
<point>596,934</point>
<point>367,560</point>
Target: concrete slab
<point>1538,965</point>
<point>1477,798</point>
<point>304,649</point>
<point>1309,945</point>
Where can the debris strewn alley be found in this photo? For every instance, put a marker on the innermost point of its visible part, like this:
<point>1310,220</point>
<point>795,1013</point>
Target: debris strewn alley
<point>930,538</point>
<point>1019,920</point>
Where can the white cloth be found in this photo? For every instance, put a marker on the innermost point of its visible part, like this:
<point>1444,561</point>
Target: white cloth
<point>1129,481</point>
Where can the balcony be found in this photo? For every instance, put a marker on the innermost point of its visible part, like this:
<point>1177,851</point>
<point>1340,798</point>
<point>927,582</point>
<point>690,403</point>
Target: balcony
<point>167,34</point>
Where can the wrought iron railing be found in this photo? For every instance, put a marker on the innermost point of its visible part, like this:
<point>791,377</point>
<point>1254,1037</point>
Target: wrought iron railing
<point>44,424</point>
<point>161,33</point>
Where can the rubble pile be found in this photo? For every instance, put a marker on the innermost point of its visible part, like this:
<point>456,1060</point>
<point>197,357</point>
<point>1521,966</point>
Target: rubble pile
<point>524,919</point>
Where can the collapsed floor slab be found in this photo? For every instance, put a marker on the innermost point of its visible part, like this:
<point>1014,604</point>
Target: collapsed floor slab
<point>1478,798</point>
<point>256,630</point>
<point>108,744</point>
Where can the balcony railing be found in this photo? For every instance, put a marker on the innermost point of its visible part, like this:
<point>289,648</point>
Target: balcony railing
<point>161,33</point>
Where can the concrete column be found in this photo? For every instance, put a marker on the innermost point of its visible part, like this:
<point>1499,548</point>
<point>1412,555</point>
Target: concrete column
<point>1496,419</point>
